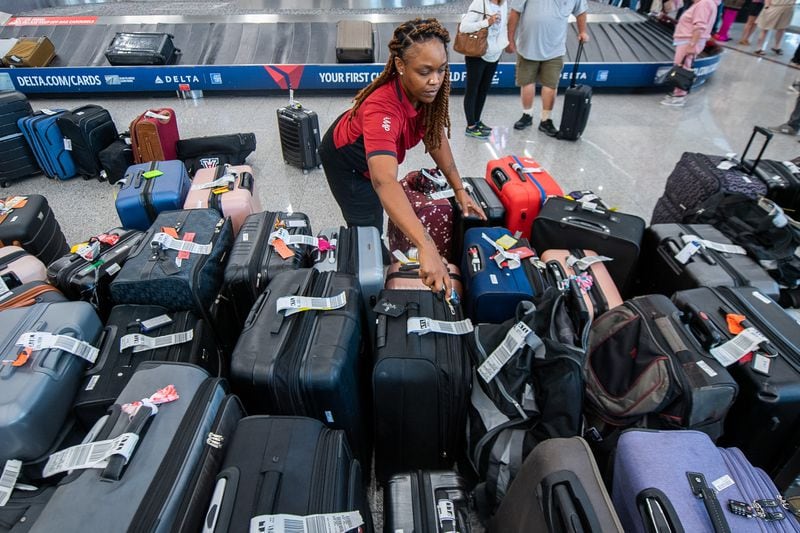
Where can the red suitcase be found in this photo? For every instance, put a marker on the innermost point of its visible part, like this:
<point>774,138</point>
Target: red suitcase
<point>522,186</point>
<point>154,136</point>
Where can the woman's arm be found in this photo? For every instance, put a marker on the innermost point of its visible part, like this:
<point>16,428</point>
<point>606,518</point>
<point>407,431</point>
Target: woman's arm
<point>443,157</point>
<point>473,19</point>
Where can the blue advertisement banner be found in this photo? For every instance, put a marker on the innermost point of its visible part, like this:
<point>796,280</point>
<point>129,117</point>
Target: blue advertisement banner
<point>310,77</point>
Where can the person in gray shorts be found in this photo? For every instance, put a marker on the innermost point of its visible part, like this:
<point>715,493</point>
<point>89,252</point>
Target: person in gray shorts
<point>537,32</point>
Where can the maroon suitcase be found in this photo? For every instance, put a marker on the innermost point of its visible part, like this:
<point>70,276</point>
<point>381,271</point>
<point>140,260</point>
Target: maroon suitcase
<point>154,136</point>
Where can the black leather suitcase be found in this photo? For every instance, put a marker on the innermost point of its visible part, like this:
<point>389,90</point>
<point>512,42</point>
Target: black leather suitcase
<point>426,502</point>
<point>193,342</point>
<point>310,363</point>
<point>32,226</point>
<point>142,48</point>
<point>662,272</point>
<point>569,224</point>
<point>88,129</point>
<point>764,420</point>
<point>483,195</point>
<point>286,465</point>
<point>577,105</point>
<point>300,137</point>
<point>420,384</point>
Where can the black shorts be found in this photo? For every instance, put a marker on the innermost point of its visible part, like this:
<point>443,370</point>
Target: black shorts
<point>753,9</point>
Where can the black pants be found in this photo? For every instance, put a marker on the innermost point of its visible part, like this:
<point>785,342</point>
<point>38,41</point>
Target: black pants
<point>479,79</point>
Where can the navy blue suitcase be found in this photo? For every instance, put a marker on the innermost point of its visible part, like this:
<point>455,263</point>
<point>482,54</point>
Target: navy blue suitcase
<point>141,199</point>
<point>492,292</point>
<point>47,142</point>
<point>152,276</point>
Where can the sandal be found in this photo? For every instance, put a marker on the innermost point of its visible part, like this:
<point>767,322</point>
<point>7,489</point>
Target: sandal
<point>778,51</point>
<point>759,52</point>
<point>744,42</point>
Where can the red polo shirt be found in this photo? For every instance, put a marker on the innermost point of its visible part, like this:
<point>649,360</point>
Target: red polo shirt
<point>385,123</point>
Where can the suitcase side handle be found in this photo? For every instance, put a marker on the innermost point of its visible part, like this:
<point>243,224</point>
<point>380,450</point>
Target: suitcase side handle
<point>658,514</point>
<point>499,178</point>
<point>246,181</point>
<point>586,224</point>
<point>751,167</point>
<point>566,505</point>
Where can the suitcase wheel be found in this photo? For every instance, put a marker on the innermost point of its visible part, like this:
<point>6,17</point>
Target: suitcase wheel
<point>4,184</point>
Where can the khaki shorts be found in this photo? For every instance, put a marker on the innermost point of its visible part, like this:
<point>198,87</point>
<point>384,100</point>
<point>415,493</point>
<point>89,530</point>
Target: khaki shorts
<point>775,17</point>
<point>548,72</point>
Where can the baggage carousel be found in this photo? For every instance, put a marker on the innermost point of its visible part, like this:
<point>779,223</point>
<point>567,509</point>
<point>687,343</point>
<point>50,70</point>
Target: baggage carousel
<point>273,51</point>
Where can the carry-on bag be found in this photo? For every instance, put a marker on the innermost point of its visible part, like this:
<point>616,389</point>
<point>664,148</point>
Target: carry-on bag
<point>13,106</point>
<point>47,143</point>
<point>599,291</point>
<point>134,334</point>
<point>405,276</point>
<point>783,182</point>
<point>558,483</point>
<point>523,187</point>
<point>17,267</point>
<point>115,160</point>
<point>671,262</point>
<point>307,362</point>
<point>492,290</point>
<point>355,41</point>
<point>483,195</point>
<point>154,135</point>
<point>698,177</point>
<point>426,501</point>
<point>763,421</point>
<point>142,48</point>
<point>282,465</point>
<point>87,273</point>
<point>178,263</point>
<point>228,189</point>
<point>357,251</point>
<point>28,222</point>
<point>87,131</point>
<point>150,188</point>
<point>27,294</point>
<point>681,481</point>
<point>570,224</point>
<point>30,52</point>
<point>645,366</point>
<point>49,344</point>
<point>215,150</point>
<point>176,421</point>
<point>577,104</point>
<point>420,382</point>
<point>298,128</point>
<point>435,213</point>
<point>17,160</point>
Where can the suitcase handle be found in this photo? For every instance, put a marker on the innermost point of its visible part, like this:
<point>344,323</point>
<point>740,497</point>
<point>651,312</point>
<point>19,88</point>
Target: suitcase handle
<point>116,463</point>
<point>587,224</point>
<point>699,322</point>
<point>246,181</point>
<point>658,514</point>
<point>520,170</point>
<point>751,168</point>
<point>499,178</point>
<point>566,504</point>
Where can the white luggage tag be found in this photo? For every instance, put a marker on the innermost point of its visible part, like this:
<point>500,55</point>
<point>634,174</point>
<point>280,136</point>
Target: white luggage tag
<point>223,181</point>
<point>425,325</point>
<point>718,246</point>
<point>92,455</point>
<point>688,251</point>
<point>153,114</point>
<point>297,304</point>
<point>317,523</point>
<point>515,339</point>
<point>8,479</point>
<point>502,255</point>
<point>38,340</point>
<point>583,264</point>
<point>284,235</point>
<point>441,195</point>
<point>435,177</point>
<point>739,346</point>
<point>142,343</point>
<point>169,242</point>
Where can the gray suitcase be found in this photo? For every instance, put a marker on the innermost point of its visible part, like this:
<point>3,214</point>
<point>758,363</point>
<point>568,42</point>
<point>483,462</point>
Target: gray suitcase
<point>355,42</point>
<point>358,252</point>
<point>36,396</point>
<point>167,483</point>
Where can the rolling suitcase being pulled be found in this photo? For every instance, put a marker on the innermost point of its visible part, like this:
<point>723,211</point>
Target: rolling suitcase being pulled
<point>142,48</point>
<point>355,42</point>
<point>577,105</point>
<point>150,188</point>
<point>280,465</point>
<point>298,128</point>
<point>28,222</point>
<point>227,189</point>
<point>426,501</point>
<point>87,131</point>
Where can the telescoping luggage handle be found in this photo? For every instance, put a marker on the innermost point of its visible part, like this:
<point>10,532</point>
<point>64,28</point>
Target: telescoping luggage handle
<point>750,168</point>
<point>566,503</point>
<point>575,66</point>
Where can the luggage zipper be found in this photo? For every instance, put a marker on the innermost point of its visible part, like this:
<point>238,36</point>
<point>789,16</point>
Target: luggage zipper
<point>258,269</point>
<point>28,297</point>
<point>202,260</point>
<point>160,488</point>
<point>325,469</point>
<point>344,251</point>
<point>738,279</point>
<point>453,347</point>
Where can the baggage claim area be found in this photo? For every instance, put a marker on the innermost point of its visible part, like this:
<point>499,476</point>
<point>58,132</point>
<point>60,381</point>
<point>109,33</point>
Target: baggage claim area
<point>620,350</point>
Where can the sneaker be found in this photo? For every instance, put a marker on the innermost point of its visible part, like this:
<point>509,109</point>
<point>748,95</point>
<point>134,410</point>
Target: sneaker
<point>484,127</point>
<point>475,132</point>
<point>783,128</point>
<point>759,52</point>
<point>777,51</point>
<point>548,128</point>
<point>674,101</point>
<point>525,121</point>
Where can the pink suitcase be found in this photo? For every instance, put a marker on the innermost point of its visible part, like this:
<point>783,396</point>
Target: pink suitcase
<point>406,278</point>
<point>18,267</point>
<point>237,202</point>
<point>603,294</point>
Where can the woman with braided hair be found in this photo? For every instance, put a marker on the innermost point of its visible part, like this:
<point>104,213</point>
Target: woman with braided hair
<point>362,150</point>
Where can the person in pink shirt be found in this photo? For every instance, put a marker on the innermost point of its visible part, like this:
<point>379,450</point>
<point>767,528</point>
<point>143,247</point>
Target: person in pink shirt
<point>691,33</point>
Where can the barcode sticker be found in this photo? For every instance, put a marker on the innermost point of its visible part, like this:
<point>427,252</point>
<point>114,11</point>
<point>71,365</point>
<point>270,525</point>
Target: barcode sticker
<point>8,479</point>
<point>513,341</point>
<point>761,297</point>
<point>3,288</point>
<point>45,341</point>
<point>739,346</point>
<point>67,144</point>
<point>171,243</point>
<point>424,325</point>
<point>224,181</point>
<point>723,483</point>
<point>761,364</point>
<point>400,256</point>
<point>296,223</point>
<point>318,523</point>
<point>92,382</point>
<point>718,246</point>
<point>141,343</point>
<point>493,279</point>
<point>113,269</point>
<point>297,304</point>
<point>706,368</point>
<point>154,323</point>
<point>726,165</point>
<point>687,252</point>
<point>441,195</point>
<point>91,455</point>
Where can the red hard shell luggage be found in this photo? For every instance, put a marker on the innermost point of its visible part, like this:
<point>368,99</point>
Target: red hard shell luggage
<point>523,186</point>
<point>154,136</point>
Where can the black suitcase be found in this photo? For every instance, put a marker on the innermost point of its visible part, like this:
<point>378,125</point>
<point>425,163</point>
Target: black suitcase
<point>355,42</point>
<point>783,183</point>
<point>483,195</point>
<point>193,342</point>
<point>286,465</point>
<point>298,128</point>
<point>253,262</point>
<point>215,150</point>
<point>577,105</point>
<point>662,272</point>
<point>764,420</point>
<point>81,279</point>
<point>142,48</point>
<point>16,159</point>
<point>420,385</point>
<point>426,502</point>
<point>310,363</point>
<point>13,106</point>
<point>569,224</point>
<point>115,160</point>
<point>88,129</point>
<point>32,226</point>
<point>20,512</point>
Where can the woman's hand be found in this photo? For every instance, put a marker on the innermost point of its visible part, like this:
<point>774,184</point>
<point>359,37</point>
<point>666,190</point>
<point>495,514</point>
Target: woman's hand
<point>468,206</point>
<point>493,19</point>
<point>433,268</point>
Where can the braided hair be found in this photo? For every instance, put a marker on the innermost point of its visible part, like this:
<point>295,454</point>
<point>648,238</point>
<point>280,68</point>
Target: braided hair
<point>437,115</point>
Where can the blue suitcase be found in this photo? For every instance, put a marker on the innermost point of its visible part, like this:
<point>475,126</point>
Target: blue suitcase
<point>152,276</point>
<point>141,199</point>
<point>492,292</point>
<point>47,143</point>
